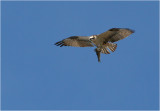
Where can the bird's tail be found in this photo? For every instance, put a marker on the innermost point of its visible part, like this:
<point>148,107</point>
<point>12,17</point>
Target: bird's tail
<point>112,47</point>
<point>98,52</point>
<point>104,50</point>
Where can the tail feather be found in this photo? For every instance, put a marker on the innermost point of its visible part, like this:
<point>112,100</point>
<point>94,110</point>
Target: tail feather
<point>112,47</point>
<point>105,51</point>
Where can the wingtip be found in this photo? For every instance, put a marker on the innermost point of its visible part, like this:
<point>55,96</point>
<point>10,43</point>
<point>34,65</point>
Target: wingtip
<point>60,43</point>
<point>55,44</point>
<point>131,30</point>
<point>116,29</point>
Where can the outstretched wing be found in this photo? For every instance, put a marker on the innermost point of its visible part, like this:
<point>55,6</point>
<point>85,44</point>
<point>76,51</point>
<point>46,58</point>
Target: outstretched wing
<point>75,41</point>
<point>115,34</point>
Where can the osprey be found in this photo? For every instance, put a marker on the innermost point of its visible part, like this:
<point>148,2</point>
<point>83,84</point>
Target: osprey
<point>103,41</point>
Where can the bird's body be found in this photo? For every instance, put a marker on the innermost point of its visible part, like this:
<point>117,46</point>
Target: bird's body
<point>103,41</point>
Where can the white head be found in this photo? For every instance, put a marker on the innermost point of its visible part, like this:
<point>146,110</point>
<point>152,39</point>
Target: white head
<point>93,37</point>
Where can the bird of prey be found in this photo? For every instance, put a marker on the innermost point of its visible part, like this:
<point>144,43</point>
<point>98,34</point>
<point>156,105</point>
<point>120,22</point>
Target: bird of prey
<point>103,41</point>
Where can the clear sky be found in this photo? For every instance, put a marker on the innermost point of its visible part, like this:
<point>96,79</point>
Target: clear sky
<point>36,74</point>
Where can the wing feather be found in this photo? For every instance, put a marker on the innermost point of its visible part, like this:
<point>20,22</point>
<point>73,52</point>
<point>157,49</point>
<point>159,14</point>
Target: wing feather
<point>75,41</point>
<point>115,34</point>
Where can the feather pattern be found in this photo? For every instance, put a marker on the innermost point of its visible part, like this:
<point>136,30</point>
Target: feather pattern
<point>111,46</point>
<point>75,41</point>
<point>115,34</point>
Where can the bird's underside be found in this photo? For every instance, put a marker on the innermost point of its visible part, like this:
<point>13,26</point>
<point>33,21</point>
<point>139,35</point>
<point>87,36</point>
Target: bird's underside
<point>103,42</point>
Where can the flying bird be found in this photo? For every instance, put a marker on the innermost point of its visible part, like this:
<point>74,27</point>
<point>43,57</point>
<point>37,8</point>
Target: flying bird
<point>103,42</point>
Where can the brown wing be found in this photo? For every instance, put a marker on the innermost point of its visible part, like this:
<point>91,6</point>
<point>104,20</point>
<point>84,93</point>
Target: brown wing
<point>75,41</point>
<point>116,34</point>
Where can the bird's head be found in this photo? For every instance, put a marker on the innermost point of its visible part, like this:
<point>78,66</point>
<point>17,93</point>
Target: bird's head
<point>93,37</point>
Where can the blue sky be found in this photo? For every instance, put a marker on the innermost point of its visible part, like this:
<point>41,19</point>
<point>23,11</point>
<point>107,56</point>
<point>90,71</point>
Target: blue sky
<point>36,74</point>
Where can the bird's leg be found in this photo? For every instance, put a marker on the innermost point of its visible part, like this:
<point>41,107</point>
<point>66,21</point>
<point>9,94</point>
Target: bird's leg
<point>98,54</point>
